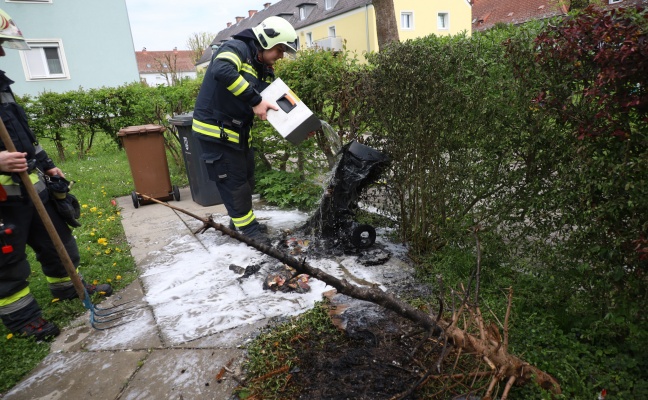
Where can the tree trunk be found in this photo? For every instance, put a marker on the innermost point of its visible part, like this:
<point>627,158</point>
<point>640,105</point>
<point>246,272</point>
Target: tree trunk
<point>386,24</point>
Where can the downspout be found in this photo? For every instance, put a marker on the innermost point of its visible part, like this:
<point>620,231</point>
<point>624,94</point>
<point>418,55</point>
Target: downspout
<point>367,26</point>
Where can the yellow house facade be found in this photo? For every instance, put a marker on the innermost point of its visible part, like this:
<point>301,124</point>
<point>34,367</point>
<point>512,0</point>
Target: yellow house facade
<point>356,27</point>
<point>417,18</point>
<point>332,24</point>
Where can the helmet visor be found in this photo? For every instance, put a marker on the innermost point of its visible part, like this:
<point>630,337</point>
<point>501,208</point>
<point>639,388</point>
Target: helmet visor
<point>16,44</point>
<point>289,48</point>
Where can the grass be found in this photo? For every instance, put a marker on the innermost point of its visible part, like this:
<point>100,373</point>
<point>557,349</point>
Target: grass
<point>100,177</point>
<point>272,354</point>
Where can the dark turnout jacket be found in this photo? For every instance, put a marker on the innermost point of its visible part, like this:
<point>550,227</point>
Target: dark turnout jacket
<point>231,88</point>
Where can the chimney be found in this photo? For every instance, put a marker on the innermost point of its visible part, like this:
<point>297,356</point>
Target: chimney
<point>143,50</point>
<point>229,24</point>
<point>175,50</point>
<point>251,13</point>
<point>266,5</point>
<point>239,19</point>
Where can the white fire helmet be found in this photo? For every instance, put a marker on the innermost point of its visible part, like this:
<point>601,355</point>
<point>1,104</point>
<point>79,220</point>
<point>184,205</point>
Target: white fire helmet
<point>276,30</point>
<point>10,35</point>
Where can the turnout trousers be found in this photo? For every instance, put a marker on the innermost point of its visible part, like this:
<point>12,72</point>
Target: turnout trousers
<point>28,230</point>
<point>233,171</point>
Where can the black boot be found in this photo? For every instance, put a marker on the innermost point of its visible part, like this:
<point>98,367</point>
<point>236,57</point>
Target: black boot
<point>27,322</point>
<point>255,232</point>
<point>263,228</point>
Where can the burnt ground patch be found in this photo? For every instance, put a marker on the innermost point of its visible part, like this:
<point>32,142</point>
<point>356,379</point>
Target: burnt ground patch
<point>357,350</point>
<point>364,364</point>
<point>377,355</point>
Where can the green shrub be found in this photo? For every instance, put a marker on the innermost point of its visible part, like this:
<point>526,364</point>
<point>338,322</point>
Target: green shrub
<point>288,190</point>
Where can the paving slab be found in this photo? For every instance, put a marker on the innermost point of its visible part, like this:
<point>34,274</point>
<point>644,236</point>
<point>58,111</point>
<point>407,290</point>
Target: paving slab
<point>132,316</point>
<point>79,375</point>
<point>185,374</point>
<point>151,227</point>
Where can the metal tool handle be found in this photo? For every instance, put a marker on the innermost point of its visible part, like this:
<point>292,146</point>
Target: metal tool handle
<point>31,190</point>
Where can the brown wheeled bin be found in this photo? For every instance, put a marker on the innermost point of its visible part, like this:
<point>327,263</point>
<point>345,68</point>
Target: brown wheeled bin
<point>144,145</point>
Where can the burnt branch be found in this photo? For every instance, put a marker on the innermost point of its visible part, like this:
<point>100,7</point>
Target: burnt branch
<point>488,346</point>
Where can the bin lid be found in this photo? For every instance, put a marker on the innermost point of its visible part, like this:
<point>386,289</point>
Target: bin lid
<point>141,129</point>
<point>182,119</point>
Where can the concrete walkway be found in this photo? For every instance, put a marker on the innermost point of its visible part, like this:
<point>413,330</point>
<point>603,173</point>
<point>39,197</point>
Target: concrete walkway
<point>87,363</point>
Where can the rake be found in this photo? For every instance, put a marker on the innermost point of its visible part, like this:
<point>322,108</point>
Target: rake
<point>100,318</point>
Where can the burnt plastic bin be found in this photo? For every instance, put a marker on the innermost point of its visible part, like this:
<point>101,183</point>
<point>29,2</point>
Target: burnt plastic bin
<point>203,190</point>
<point>144,145</point>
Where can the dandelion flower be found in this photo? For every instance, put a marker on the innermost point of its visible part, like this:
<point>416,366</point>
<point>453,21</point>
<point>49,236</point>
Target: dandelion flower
<point>9,336</point>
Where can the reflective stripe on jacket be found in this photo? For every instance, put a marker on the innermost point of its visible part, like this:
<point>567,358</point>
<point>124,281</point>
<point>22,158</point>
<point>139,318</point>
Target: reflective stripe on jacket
<point>14,190</point>
<point>219,132</point>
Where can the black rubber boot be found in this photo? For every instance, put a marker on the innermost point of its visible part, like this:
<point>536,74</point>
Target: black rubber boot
<point>254,232</point>
<point>263,228</point>
<point>27,322</point>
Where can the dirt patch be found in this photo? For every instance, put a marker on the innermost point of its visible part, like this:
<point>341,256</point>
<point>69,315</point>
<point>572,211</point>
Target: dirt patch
<point>368,361</point>
<point>372,359</point>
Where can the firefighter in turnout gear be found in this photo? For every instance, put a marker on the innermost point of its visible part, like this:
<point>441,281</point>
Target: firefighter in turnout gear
<point>228,100</point>
<point>20,224</point>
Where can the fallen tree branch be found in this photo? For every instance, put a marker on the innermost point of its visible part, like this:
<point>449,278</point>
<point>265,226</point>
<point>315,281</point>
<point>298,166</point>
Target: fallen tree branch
<point>487,348</point>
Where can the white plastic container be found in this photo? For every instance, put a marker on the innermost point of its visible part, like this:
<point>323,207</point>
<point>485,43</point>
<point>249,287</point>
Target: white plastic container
<point>294,120</point>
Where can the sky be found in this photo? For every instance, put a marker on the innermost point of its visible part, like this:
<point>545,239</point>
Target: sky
<point>164,24</point>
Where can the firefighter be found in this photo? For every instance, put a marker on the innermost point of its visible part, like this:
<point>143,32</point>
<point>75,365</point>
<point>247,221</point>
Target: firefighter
<point>227,102</point>
<point>20,224</point>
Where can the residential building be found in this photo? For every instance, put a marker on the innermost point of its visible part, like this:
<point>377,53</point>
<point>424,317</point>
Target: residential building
<point>488,13</point>
<point>165,67</point>
<point>74,44</point>
<point>332,24</point>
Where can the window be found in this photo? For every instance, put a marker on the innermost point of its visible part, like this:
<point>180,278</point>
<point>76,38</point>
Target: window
<point>614,1</point>
<point>302,13</point>
<point>309,39</point>
<point>331,31</point>
<point>407,20</point>
<point>328,4</point>
<point>442,20</point>
<point>45,60</point>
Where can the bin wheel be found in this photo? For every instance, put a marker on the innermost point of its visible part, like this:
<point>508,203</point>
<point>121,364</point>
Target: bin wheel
<point>176,193</point>
<point>135,197</point>
<point>363,236</point>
